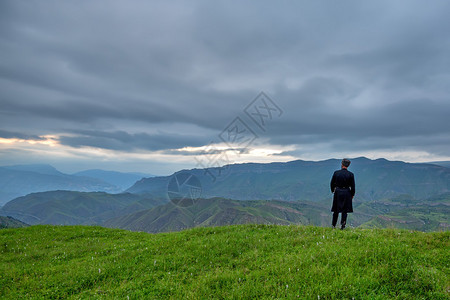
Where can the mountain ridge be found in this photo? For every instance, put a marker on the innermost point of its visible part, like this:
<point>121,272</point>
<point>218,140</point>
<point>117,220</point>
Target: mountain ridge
<point>45,169</point>
<point>309,180</point>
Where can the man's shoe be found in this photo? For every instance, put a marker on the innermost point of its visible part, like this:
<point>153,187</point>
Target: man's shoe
<point>334,227</point>
<point>342,227</point>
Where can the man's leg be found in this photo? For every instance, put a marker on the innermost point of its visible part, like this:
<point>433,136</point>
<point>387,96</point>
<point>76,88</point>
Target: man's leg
<point>335,217</point>
<point>343,220</point>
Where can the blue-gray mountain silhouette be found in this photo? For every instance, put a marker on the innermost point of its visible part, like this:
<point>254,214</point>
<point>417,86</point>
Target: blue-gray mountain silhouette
<point>308,180</point>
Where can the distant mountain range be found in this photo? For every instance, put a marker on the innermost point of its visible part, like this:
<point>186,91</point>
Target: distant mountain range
<point>118,179</point>
<point>388,194</point>
<point>309,181</point>
<point>35,168</point>
<point>72,208</point>
<point>20,180</point>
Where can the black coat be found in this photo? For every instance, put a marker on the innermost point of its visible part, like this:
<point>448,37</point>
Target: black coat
<point>343,186</point>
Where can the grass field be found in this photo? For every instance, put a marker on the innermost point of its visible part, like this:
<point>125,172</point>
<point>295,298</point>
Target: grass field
<point>240,262</point>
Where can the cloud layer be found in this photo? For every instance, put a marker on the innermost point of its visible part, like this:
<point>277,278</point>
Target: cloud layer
<point>352,78</point>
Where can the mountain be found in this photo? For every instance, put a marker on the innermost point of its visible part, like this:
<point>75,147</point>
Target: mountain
<point>10,222</point>
<point>307,180</point>
<point>70,208</point>
<point>119,179</point>
<point>35,168</point>
<point>16,181</point>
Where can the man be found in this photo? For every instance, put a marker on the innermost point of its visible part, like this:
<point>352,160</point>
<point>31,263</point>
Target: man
<point>343,186</point>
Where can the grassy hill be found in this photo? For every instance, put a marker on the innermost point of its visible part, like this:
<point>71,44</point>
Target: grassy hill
<point>74,208</point>
<point>10,222</point>
<point>240,262</point>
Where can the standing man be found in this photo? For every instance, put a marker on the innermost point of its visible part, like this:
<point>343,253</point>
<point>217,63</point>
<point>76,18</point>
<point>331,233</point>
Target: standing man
<point>343,186</point>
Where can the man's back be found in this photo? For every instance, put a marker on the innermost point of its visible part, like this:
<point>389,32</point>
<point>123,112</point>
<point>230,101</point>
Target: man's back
<point>343,179</point>
<point>343,187</point>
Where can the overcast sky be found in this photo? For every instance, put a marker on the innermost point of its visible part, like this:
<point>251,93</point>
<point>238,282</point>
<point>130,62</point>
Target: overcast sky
<point>157,86</point>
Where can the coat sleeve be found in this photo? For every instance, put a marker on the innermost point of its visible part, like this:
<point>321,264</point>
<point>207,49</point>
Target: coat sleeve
<point>352,185</point>
<point>333,182</point>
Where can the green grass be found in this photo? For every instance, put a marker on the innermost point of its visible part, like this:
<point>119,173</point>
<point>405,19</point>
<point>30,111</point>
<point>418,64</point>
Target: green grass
<point>247,261</point>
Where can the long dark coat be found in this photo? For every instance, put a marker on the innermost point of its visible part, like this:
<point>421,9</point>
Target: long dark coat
<point>343,186</point>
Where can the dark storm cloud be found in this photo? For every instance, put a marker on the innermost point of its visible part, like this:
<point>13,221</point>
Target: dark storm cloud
<point>17,135</point>
<point>375,74</point>
<point>210,150</point>
<point>121,140</point>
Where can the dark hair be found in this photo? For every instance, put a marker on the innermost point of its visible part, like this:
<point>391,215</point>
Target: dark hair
<point>346,162</point>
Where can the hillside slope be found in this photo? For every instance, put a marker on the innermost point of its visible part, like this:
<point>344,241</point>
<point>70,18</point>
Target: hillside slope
<point>306,180</point>
<point>74,208</point>
<point>431,214</point>
<point>129,211</point>
<point>404,212</point>
<point>10,222</point>
<point>238,262</point>
<point>221,212</point>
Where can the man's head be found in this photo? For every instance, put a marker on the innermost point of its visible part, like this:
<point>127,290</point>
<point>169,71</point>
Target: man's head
<point>345,163</point>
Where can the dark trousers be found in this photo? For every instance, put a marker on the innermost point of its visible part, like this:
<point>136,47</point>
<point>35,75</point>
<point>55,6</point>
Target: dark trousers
<point>343,218</point>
